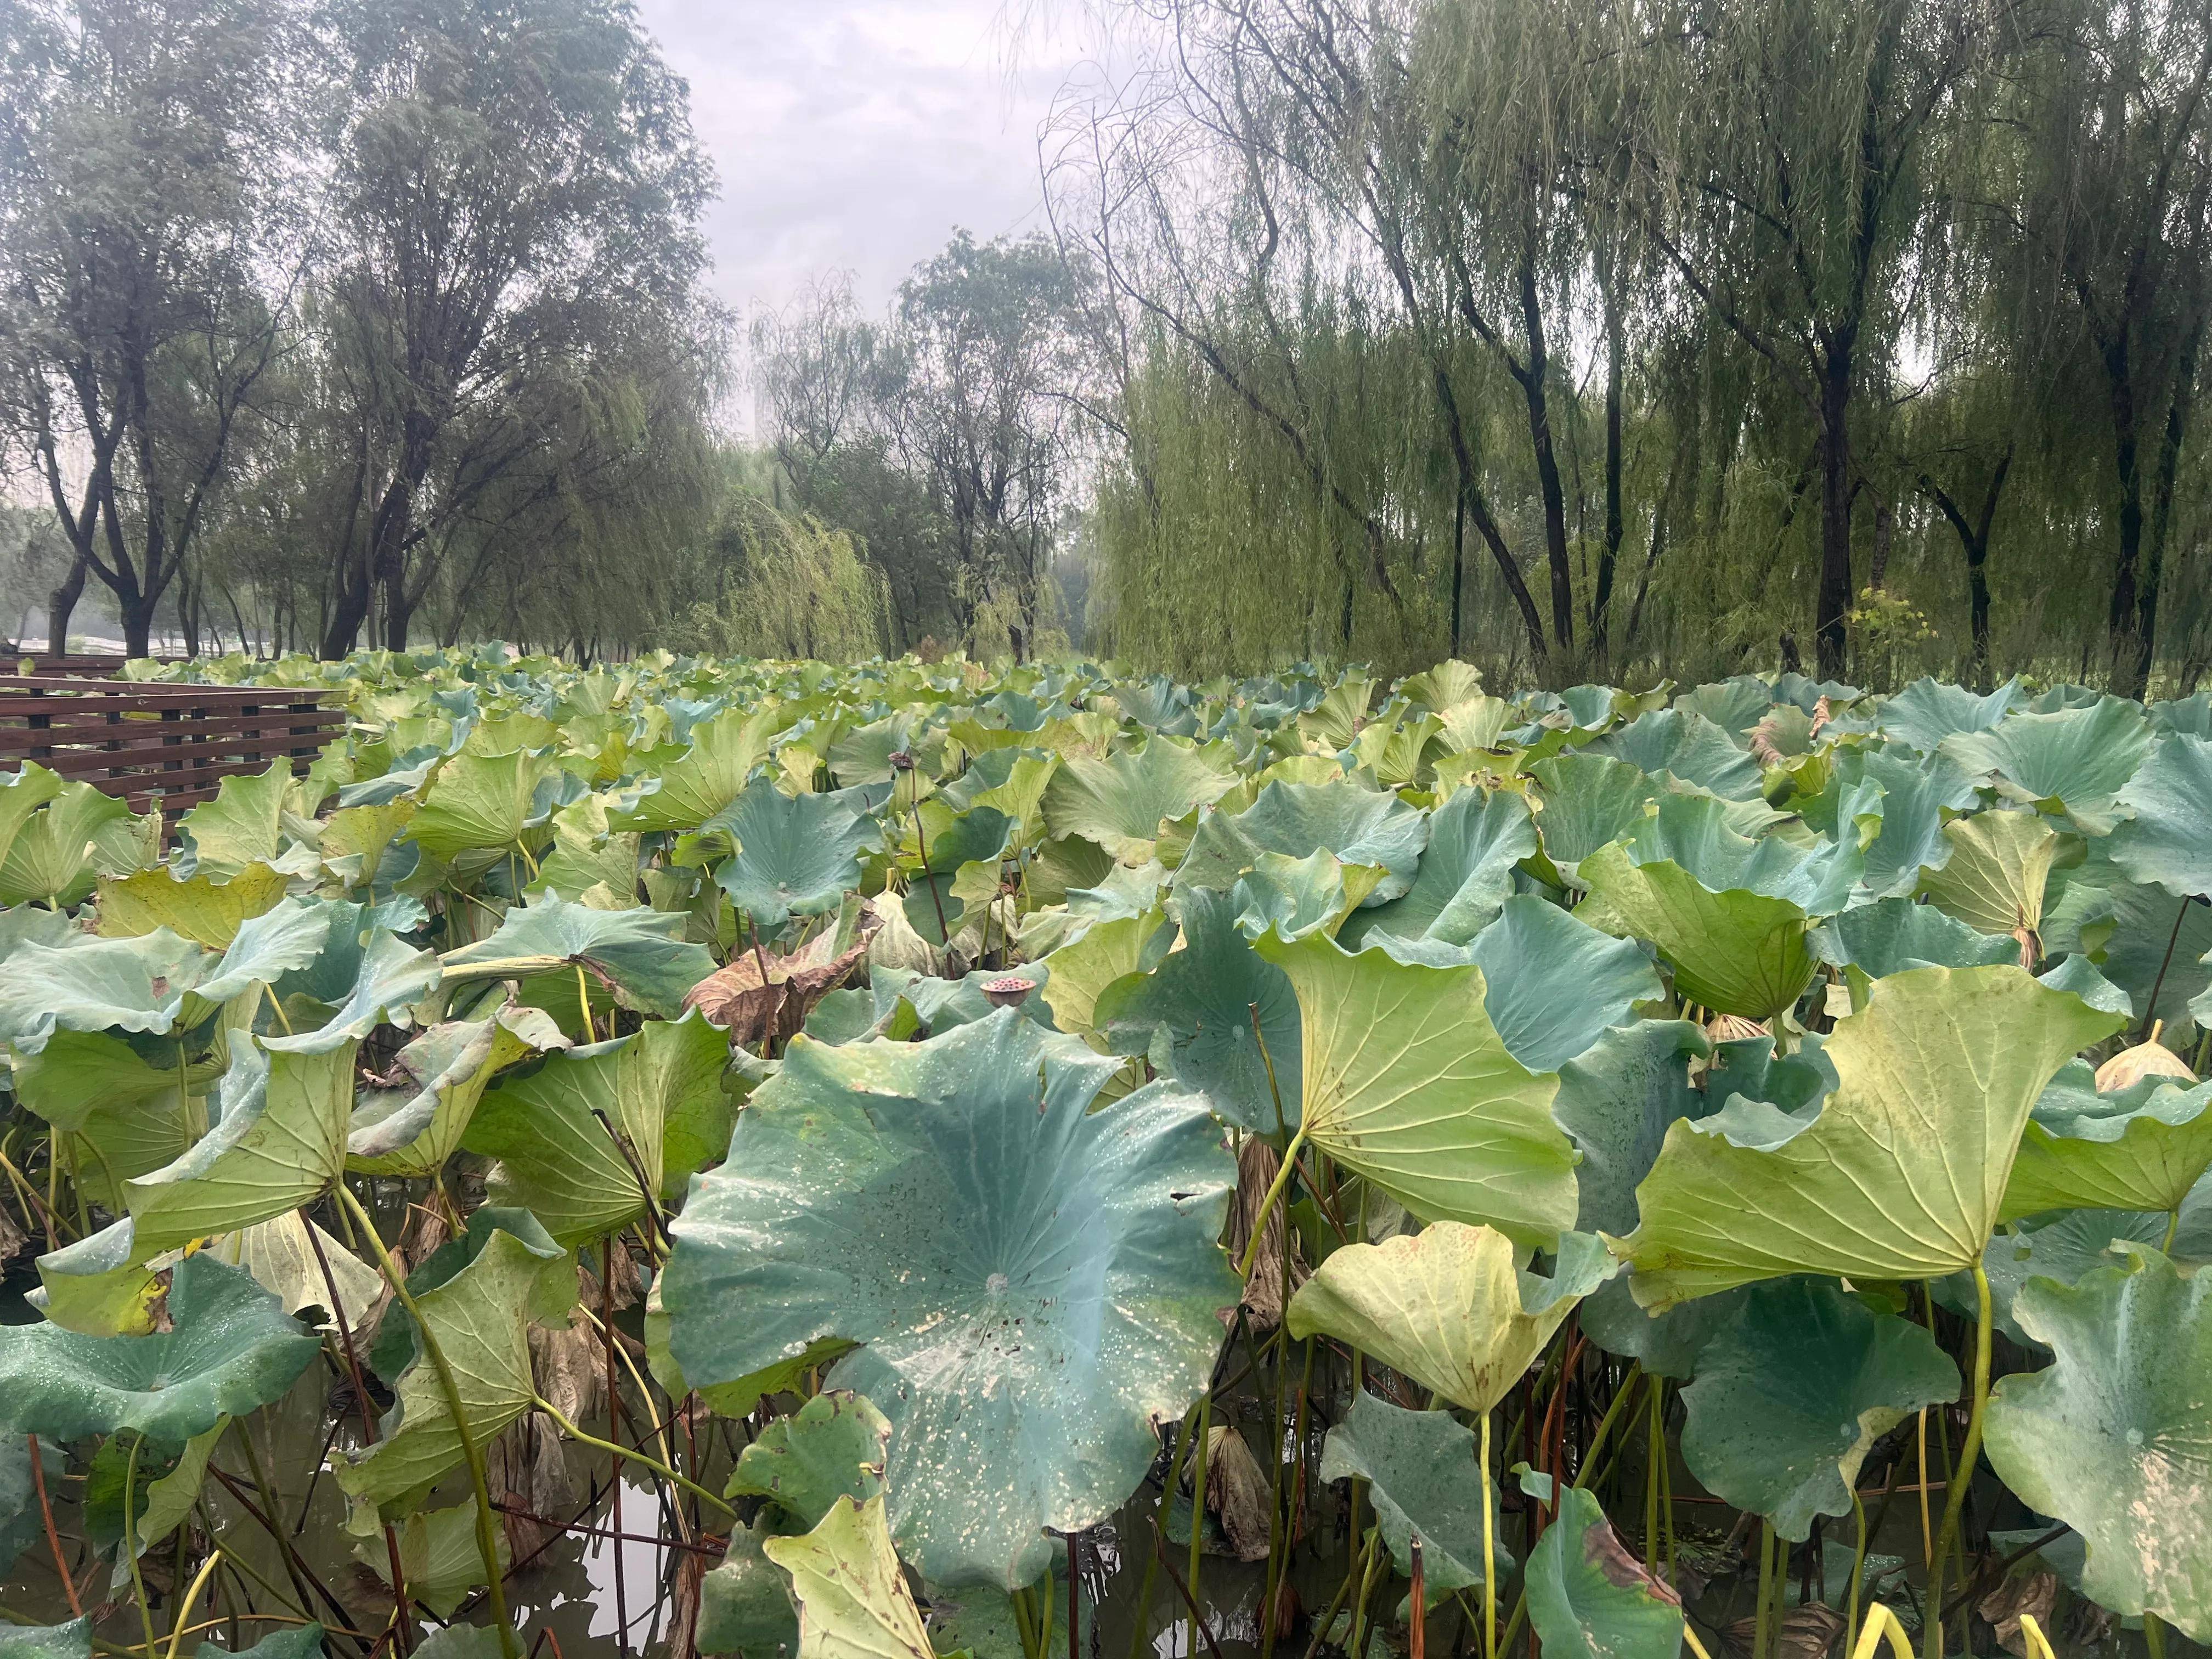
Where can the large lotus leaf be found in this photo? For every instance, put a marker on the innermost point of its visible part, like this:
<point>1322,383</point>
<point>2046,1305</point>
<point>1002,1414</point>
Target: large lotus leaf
<point>1204,995</point>
<point>1896,934</point>
<point>1033,1286</point>
<point>642,954</point>
<point>1927,711</point>
<point>1665,1343</point>
<point>2170,802</point>
<point>1995,878</point>
<point>1697,834</point>
<point>1357,825</point>
<point>1589,1598</point>
<point>2112,1439</point>
<point>2140,1148</point>
<point>1735,704</point>
<point>1466,872</point>
<point>279,1143</point>
<point>438,1553</point>
<point>553,1127</point>
<point>412,1129</point>
<point>201,908</point>
<point>1617,1101</point>
<point>2063,1245</point>
<point>101,985</point>
<point>694,783</point>
<point>481,1317</point>
<point>481,802</point>
<point>1589,801</point>
<point>1792,1395</point>
<point>233,1349</point>
<point>2140,937</point>
<point>21,795</point>
<point>1684,744</point>
<point>974,843</point>
<point>366,976</point>
<point>1448,1305</point>
<point>797,856</point>
<point>268,946</point>
<point>78,1078</point>
<point>1417,1465</point>
<point>1901,1174</point>
<point>1556,984</point>
<point>1915,794</point>
<point>243,825</point>
<point>72,1640</point>
<point>834,1446</point>
<point>355,839</point>
<point>745,1604</point>
<point>1736,952</point>
<point>853,1602</point>
<point>2079,758</point>
<point>1296,896</point>
<point>1406,1081</point>
<point>1119,800</point>
<point>1078,972</point>
<point>81,834</point>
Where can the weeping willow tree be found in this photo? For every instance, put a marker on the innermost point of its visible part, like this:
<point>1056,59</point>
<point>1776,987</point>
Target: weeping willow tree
<point>785,586</point>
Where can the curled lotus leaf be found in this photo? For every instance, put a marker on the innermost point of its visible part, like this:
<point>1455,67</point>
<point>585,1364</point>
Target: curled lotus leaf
<point>2162,841</point>
<point>232,1348</point>
<point>1357,824</point>
<point>1589,1598</point>
<point>477,802</point>
<point>101,985</point>
<point>1996,878</point>
<point>1587,801</point>
<point>1900,1174</point>
<point>1023,1286</point>
<point>1417,1465</point>
<point>2078,759</point>
<point>853,1602</point>
<point>832,1446</point>
<point>642,954</point>
<point>693,783</point>
<point>2111,1438</point>
<point>1792,1393</point>
<point>1466,872</point>
<point>1449,1306</point>
<point>207,911</point>
<point>1119,800</point>
<point>2141,1148</point>
<point>1554,985</point>
<point>1407,1082</point>
<point>414,1127</point>
<point>1682,744</point>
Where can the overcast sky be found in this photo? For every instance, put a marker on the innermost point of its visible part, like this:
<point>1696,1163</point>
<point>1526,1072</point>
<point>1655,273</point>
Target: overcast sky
<point>854,135</point>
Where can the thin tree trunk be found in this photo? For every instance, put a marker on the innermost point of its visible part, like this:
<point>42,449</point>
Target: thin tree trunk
<point>2161,523</point>
<point>1834,600</point>
<point>2121,615</point>
<point>1601,610</point>
<point>62,603</point>
<point>1459,566</point>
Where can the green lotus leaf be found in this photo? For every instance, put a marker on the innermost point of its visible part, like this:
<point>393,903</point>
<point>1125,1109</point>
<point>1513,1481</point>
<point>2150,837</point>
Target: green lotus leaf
<point>268,946</point>
<point>100,984</point>
<point>301,1642</point>
<point>862,754</point>
<point>2169,800</point>
<point>1417,1467</point>
<point>1666,1343</point>
<point>1617,1101</point>
<point>2079,974</point>
<point>1927,711</point>
<point>834,1446</point>
<point>1079,972</point>
<point>279,1143</point>
<point>1896,934</point>
<point>163,1493</point>
<point>552,1128</point>
<point>642,954</point>
<point>438,1553</point>
<point>2079,758</point>
<point>81,834</point>
<point>1357,825</point>
<point>34,924</point>
<point>243,825</point>
<point>797,856</point>
<point>1297,897</point>
<point>1556,985</point>
<point>460,1642</point>
<point>2111,1438</point>
<point>364,977</point>
<point>2061,1246</point>
<point>356,838</point>
<point>1203,994</point>
<point>1466,872</point>
<point>1680,743</point>
<point>1589,801</point>
<point>1405,1080</point>
<point>76,1077</point>
<point>478,803</point>
<point>1915,794</point>
<point>70,1641</point>
<point>1450,683</point>
<point>412,1129</point>
<point>2140,937</point>
<point>2141,1148</point>
<point>1995,878</point>
<point>99,1286</point>
<point>1589,1598</point>
<point>1901,1173</point>
<point>975,841</point>
<point>1447,1306</point>
<point>1119,800</point>
<point>853,1599</point>
<point>1735,952</point>
<point>201,908</point>
<point>21,795</point>
<point>1032,1285</point>
<point>233,1349</point>
<point>939,1005</point>
<point>698,781</point>
<point>1792,1395</point>
<point>481,1317</point>
<point>745,1604</point>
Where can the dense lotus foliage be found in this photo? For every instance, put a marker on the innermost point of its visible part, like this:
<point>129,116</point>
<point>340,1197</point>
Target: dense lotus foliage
<point>1689,1169</point>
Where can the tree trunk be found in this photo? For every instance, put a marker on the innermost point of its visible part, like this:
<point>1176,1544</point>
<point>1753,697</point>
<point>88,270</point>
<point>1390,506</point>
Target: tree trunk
<point>1601,618</point>
<point>137,626</point>
<point>1535,393</point>
<point>62,603</point>
<point>1831,629</point>
<point>2161,523</point>
<point>2120,617</point>
<point>1459,566</point>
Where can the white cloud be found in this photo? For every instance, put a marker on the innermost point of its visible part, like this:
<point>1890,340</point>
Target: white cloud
<point>854,135</point>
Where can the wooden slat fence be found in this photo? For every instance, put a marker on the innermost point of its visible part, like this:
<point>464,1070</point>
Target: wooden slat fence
<point>165,746</point>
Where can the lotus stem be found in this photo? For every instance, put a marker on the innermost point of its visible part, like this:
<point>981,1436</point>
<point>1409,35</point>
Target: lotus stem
<point>192,1595</point>
<point>1159,1523</point>
<point>1267,1206</point>
<point>1489,1547</point>
<point>1761,1629</point>
<point>2154,1634</point>
<point>487,1545</point>
<point>53,1538</point>
<point>633,1456</point>
<point>2172,1229</point>
<point>130,1540</point>
<point>1198,1506</point>
<point>1859,1573</point>
<point>1962,1473</point>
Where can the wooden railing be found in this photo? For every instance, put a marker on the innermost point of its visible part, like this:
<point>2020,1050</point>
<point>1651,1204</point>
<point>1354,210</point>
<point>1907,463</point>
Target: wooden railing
<point>166,745</point>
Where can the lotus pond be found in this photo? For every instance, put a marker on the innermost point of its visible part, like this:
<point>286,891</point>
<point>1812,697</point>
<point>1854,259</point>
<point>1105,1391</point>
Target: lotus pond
<point>880,1162</point>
